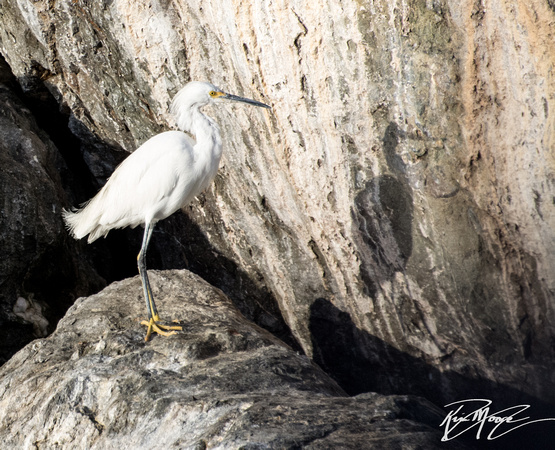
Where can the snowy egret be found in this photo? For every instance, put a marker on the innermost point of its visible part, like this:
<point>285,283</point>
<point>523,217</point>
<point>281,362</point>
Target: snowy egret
<point>157,179</point>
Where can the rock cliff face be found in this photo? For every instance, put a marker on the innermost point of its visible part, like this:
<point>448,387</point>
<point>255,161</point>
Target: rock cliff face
<point>394,212</point>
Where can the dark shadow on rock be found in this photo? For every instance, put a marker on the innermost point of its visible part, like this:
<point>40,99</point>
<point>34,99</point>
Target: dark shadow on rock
<point>15,336</point>
<point>383,212</point>
<point>360,362</point>
<point>390,141</point>
<point>39,263</point>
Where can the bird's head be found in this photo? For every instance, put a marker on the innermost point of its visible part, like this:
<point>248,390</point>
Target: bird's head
<point>198,93</point>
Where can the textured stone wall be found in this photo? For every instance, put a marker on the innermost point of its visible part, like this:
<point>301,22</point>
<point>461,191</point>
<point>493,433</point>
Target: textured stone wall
<point>395,208</point>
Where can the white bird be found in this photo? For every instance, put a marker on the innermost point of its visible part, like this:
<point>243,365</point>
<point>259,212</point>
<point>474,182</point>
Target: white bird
<point>157,179</point>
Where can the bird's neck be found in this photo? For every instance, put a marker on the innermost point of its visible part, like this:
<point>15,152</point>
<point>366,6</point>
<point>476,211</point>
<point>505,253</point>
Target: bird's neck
<point>205,131</point>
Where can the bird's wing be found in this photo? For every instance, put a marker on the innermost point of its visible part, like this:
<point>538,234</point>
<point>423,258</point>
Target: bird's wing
<point>142,183</point>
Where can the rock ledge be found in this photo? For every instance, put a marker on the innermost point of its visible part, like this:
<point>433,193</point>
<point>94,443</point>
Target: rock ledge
<point>221,383</point>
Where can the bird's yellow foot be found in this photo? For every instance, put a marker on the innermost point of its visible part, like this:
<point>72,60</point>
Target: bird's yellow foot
<point>155,327</point>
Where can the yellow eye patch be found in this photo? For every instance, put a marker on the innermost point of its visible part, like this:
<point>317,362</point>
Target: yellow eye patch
<point>215,94</point>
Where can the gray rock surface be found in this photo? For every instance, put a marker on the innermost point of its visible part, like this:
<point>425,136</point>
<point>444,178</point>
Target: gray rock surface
<point>221,383</point>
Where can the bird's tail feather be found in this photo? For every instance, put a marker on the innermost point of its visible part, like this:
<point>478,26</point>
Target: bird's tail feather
<point>80,223</point>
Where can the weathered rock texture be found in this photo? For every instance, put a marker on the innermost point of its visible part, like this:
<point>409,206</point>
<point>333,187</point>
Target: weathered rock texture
<point>221,383</point>
<point>397,204</point>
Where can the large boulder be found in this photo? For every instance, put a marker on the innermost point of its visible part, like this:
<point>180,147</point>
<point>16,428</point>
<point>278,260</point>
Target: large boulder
<point>222,382</point>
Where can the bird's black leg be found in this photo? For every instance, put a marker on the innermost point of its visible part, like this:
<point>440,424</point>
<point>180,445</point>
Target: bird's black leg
<point>153,318</point>
<point>141,263</point>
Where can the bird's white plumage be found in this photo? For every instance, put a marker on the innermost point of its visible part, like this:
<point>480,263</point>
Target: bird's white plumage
<point>161,176</point>
<point>152,183</point>
<point>157,179</point>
